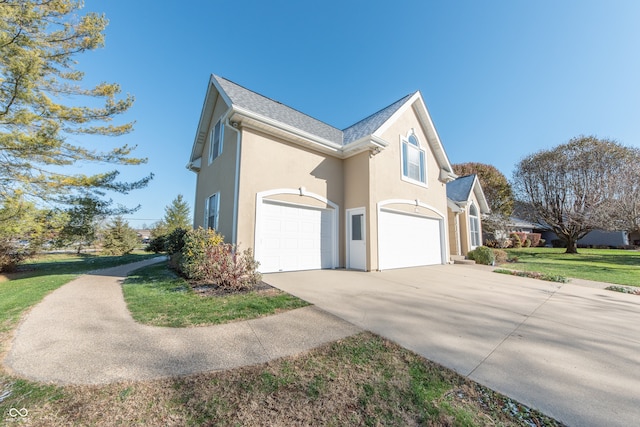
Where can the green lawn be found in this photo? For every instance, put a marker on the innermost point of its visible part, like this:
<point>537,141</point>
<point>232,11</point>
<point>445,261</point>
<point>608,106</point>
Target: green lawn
<point>156,296</point>
<point>620,267</point>
<point>361,380</point>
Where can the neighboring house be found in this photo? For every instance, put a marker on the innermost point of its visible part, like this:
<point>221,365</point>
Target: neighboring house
<point>522,226</point>
<point>467,204</point>
<point>603,238</point>
<point>306,195</point>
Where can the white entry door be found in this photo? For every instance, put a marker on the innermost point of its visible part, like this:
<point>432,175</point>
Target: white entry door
<point>356,239</point>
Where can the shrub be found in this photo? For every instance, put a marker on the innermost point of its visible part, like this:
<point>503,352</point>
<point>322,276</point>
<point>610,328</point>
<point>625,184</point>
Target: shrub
<point>500,256</point>
<point>11,254</point>
<point>483,255</point>
<point>156,245</point>
<point>119,238</point>
<point>194,251</point>
<point>542,242</point>
<point>230,269</point>
<point>492,243</point>
<point>174,241</point>
<point>516,241</point>
<point>526,243</point>
<point>535,239</point>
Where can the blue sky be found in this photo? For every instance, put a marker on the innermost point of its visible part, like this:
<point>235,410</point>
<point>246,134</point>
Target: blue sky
<point>501,79</point>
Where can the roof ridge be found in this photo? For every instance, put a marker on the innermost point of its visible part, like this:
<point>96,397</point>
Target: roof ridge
<point>277,102</point>
<point>381,109</point>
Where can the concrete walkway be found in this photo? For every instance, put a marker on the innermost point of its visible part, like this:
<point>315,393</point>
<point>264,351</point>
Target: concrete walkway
<point>571,351</point>
<point>82,333</point>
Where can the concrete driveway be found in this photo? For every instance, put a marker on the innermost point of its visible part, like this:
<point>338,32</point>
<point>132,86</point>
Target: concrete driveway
<point>569,350</point>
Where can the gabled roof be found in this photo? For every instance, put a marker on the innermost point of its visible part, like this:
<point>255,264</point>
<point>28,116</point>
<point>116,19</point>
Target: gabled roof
<point>248,107</point>
<point>460,190</point>
<point>372,123</point>
<point>252,101</point>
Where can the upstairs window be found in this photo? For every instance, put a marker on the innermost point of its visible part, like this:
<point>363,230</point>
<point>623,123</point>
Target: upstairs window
<point>211,210</point>
<point>474,226</point>
<point>215,141</point>
<point>413,160</point>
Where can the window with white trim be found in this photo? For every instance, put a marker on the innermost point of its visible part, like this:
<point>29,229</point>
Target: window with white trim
<point>414,167</point>
<point>474,226</point>
<point>215,141</point>
<point>211,211</point>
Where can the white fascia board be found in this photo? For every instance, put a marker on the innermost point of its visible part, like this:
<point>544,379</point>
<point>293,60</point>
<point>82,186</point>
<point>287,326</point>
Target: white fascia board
<point>447,176</point>
<point>195,165</point>
<point>396,115</point>
<point>208,106</point>
<point>454,206</point>
<point>314,140</point>
<point>367,143</point>
<point>417,103</point>
<point>199,141</point>
<point>479,193</point>
<point>432,135</point>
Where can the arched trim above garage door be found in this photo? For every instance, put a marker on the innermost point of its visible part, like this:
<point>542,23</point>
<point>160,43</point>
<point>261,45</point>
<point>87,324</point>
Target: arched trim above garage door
<point>260,230</point>
<point>401,243</point>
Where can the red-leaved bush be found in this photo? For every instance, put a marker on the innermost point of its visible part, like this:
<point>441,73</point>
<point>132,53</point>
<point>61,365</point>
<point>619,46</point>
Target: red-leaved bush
<point>229,268</point>
<point>206,258</point>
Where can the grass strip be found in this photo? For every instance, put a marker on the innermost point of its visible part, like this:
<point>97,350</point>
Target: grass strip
<point>616,266</point>
<point>157,296</point>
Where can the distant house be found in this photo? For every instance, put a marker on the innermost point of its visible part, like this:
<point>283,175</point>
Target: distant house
<point>467,204</point>
<point>595,238</point>
<point>306,195</point>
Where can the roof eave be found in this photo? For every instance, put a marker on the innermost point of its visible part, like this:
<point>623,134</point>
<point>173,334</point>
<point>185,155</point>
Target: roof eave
<point>479,193</point>
<point>417,103</point>
<point>214,91</point>
<point>248,117</point>
<point>369,143</point>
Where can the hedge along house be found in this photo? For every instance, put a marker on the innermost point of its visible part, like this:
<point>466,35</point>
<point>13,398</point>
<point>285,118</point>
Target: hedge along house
<point>466,206</point>
<point>306,195</point>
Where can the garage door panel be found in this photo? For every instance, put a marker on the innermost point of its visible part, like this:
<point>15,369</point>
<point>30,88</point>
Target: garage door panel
<point>295,238</point>
<point>408,240</point>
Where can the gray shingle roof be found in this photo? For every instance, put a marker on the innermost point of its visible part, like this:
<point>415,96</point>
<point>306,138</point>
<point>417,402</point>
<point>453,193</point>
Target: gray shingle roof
<point>459,189</point>
<point>369,125</point>
<point>254,102</point>
<point>275,110</point>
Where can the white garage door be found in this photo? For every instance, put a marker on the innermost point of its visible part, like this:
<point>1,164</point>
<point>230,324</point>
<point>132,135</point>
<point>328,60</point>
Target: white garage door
<point>408,240</point>
<point>294,238</point>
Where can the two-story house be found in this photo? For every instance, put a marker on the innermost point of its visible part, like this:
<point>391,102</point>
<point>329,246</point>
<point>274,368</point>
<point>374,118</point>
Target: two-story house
<point>306,195</point>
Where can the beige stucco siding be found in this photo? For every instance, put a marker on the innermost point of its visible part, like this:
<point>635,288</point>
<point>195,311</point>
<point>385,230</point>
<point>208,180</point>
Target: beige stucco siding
<point>464,226</point>
<point>387,182</point>
<point>357,195</point>
<point>269,164</point>
<point>453,229</point>
<point>218,177</point>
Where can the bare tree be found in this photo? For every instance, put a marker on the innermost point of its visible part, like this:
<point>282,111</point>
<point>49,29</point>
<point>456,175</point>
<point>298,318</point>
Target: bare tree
<point>570,188</point>
<point>625,203</point>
